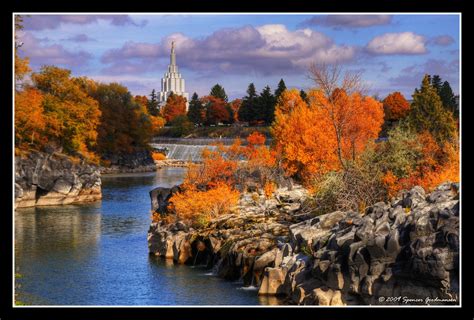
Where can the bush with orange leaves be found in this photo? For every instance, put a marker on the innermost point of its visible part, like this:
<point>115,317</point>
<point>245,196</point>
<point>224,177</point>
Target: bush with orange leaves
<point>158,156</point>
<point>211,187</point>
<point>199,207</point>
<point>214,169</point>
<point>417,159</point>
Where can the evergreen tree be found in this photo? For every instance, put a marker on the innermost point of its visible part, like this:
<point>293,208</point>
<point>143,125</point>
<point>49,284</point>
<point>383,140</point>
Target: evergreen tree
<point>304,95</point>
<point>196,110</point>
<point>249,102</point>
<point>266,106</point>
<point>448,98</point>
<point>218,92</point>
<point>280,89</point>
<point>436,83</point>
<point>427,113</point>
<point>152,106</point>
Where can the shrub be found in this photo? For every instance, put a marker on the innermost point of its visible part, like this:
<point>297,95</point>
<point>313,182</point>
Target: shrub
<point>199,207</point>
<point>355,188</point>
<point>158,156</point>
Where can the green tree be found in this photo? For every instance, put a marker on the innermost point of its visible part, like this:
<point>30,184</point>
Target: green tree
<point>436,83</point>
<point>427,113</point>
<point>196,112</point>
<point>448,98</point>
<point>219,92</point>
<point>153,107</point>
<point>304,96</point>
<point>266,106</point>
<point>280,89</point>
<point>249,103</point>
<point>124,127</point>
<point>181,126</point>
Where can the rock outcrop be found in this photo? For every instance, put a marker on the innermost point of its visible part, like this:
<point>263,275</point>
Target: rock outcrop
<point>43,179</point>
<point>129,163</point>
<point>403,252</point>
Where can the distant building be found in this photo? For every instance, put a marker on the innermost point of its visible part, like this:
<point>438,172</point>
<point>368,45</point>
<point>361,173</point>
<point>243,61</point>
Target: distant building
<point>172,82</point>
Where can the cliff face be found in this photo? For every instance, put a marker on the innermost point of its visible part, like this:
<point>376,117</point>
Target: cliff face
<point>403,252</point>
<point>43,179</point>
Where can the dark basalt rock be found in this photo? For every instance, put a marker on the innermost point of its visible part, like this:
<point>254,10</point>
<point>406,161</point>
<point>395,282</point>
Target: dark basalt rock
<point>52,179</point>
<point>409,248</point>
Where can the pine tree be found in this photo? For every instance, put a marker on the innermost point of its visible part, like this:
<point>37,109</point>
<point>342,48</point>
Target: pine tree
<point>219,92</point>
<point>152,106</point>
<point>280,89</point>
<point>249,102</point>
<point>304,95</point>
<point>436,83</point>
<point>448,98</point>
<point>196,110</point>
<point>427,113</point>
<point>266,106</point>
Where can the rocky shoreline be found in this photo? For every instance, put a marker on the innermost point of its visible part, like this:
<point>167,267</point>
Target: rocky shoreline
<point>129,163</point>
<point>43,179</point>
<point>399,253</point>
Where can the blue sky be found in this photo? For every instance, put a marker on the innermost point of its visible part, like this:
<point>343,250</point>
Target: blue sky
<point>392,51</point>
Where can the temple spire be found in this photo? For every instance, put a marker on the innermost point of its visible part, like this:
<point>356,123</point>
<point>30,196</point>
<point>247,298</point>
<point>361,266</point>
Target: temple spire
<point>173,55</point>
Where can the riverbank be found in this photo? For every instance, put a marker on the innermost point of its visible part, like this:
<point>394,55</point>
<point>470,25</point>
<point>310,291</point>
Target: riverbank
<point>45,179</point>
<point>48,179</point>
<point>409,247</point>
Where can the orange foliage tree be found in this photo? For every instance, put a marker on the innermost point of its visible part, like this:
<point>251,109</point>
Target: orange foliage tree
<point>156,122</point>
<point>30,122</point>
<point>71,114</point>
<point>395,106</point>
<point>175,106</point>
<point>216,110</point>
<point>302,137</point>
<point>319,137</point>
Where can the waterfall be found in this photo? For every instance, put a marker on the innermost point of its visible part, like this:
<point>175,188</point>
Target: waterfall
<point>181,151</point>
<point>189,149</point>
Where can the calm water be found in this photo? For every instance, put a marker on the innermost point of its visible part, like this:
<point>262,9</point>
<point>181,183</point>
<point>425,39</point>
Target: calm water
<point>97,254</point>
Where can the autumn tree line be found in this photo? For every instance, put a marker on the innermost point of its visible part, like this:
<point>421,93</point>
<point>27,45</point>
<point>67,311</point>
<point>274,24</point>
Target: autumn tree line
<point>85,119</point>
<point>328,141</point>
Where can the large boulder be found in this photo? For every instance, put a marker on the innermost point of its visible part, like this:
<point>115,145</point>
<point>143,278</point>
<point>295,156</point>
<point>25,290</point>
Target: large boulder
<point>43,179</point>
<point>160,198</point>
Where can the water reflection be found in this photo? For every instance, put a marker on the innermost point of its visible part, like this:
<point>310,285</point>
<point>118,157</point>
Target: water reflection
<point>57,229</point>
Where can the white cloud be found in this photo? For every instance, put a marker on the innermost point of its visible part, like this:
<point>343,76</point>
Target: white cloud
<point>397,43</point>
<point>266,49</point>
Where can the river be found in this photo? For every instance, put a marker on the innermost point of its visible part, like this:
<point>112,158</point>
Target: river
<point>97,254</point>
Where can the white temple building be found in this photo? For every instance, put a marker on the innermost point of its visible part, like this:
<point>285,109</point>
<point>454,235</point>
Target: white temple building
<point>172,81</point>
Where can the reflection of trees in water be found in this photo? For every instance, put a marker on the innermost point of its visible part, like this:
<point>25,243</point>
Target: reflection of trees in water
<point>56,229</point>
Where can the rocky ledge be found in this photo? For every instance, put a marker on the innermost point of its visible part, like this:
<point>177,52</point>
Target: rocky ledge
<point>129,163</point>
<point>43,179</point>
<point>403,252</point>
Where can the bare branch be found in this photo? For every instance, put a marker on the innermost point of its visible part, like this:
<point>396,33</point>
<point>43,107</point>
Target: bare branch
<point>330,77</point>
